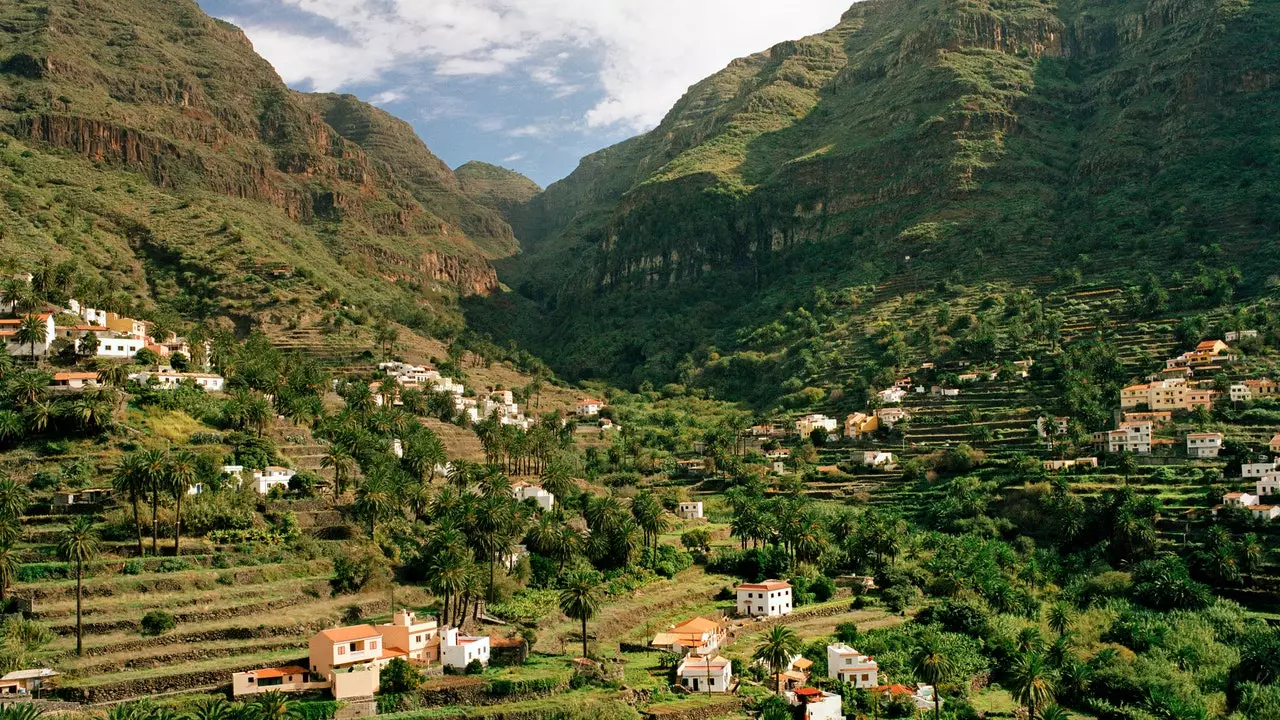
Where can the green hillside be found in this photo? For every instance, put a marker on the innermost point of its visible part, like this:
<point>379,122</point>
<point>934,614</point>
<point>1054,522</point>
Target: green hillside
<point>149,142</point>
<point>496,187</point>
<point>920,146</point>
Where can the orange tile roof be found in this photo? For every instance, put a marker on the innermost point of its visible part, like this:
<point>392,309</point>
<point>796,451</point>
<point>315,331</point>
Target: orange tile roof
<point>814,692</point>
<point>75,376</point>
<point>351,632</point>
<point>278,671</point>
<point>389,653</point>
<point>697,625</point>
<point>766,585</point>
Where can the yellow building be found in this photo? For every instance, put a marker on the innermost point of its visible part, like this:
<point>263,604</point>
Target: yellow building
<point>1166,395</point>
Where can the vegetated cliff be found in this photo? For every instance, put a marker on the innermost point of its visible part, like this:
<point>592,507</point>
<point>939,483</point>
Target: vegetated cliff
<point>981,138</point>
<point>496,187</point>
<point>157,88</point>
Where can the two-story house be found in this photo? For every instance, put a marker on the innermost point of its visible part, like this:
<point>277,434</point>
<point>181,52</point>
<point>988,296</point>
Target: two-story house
<point>1204,445</point>
<point>689,510</point>
<point>847,664</point>
<point>770,598</point>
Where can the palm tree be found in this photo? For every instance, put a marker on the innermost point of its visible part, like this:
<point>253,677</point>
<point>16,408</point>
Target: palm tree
<point>273,706</point>
<point>340,462</point>
<point>8,567</point>
<point>22,711</point>
<point>152,467</point>
<point>1061,619</point>
<point>1032,683</point>
<point>211,708</point>
<point>257,414</point>
<point>13,498</point>
<point>129,480</point>
<point>11,426</point>
<point>79,544</point>
<point>29,387</point>
<point>181,475</point>
<point>933,666</point>
<point>113,374</point>
<point>493,527</point>
<point>1054,712</point>
<point>780,645</point>
<point>580,600</point>
<point>31,331</point>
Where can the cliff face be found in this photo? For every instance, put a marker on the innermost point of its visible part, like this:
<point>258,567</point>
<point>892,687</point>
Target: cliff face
<point>158,88</point>
<point>950,131</point>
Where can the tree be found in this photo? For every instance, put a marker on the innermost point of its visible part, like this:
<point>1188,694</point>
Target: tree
<point>1054,712</point>
<point>8,568</point>
<point>31,331</point>
<point>1061,619</point>
<point>399,676</point>
<point>933,666</point>
<point>339,460</point>
<point>88,345</point>
<point>182,475</point>
<point>211,708</point>
<point>79,544</point>
<point>13,498</point>
<point>128,480</point>
<point>1031,682</point>
<point>273,706</point>
<point>780,645</point>
<point>580,600</point>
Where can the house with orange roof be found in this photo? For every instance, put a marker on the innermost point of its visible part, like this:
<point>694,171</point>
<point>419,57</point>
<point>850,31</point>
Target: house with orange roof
<point>75,380</point>
<point>9,335</point>
<point>419,640</point>
<point>771,598</point>
<point>816,704</point>
<point>286,679</point>
<point>458,650</point>
<point>349,658</point>
<point>1275,444</point>
<point>860,425</point>
<point>1175,394</point>
<point>705,674</point>
<point>589,407</point>
<point>699,635</point>
<point>1204,445</point>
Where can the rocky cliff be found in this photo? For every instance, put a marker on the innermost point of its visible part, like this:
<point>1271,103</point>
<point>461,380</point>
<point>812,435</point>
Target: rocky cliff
<point>979,138</point>
<point>157,88</point>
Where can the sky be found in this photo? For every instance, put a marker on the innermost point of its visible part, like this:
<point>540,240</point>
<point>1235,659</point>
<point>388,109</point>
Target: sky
<point>532,85</point>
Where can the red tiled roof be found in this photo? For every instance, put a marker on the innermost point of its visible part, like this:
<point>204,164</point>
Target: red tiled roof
<point>766,585</point>
<point>352,632</point>
<point>278,671</point>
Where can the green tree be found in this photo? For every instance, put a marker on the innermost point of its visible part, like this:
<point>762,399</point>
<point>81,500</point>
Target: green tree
<point>79,545</point>
<point>780,644</point>
<point>8,567</point>
<point>399,677</point>
<point>31,331</point>
<point>580,600</point>
<point>128,479</point>
<point>181,473</point>
<point>1061,618</point>
<point>273,706</point>
<point>934,667</point>
<point>1031,682</point>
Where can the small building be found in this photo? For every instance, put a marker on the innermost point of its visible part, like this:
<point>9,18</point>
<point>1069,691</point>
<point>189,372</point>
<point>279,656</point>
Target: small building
<point>66,500</point>
<point>1250,470</point>
<point>1059,465</point>
<point>75,380</point>
<point>1268,484</point>
<point>1134,437</point>
<point>419,640</point>
<point>778,454</point>
<point>287,679</point>
<point>1239,392</point>
<point>26,684</point>
<point>1275,444</point>
<point>690,510</point>
<point>9,336</point>
<point>1173,394</point>
<point>171,379</point>
<point>458,651</point>
<point>1239,499</point>
<point>118,346</point>
<point>273,476</point>
<point>1204,445</point>
<point>589,407</point>
<point>874,458</point>
<point>699,636</point>
<point>1265,512</point>
<point>890,416</point>
<point>848,665</point>
<point>349,658</point>
<point>705,674</point>
<point>860,425</point>
<point>695,467</point>
<point>806,425</point>
<point>527,491</point>
<point>893,395</point>
<point>1154,417</point>
<point>770,598</point>
<point>1236,335</point>
<point>817,705</point>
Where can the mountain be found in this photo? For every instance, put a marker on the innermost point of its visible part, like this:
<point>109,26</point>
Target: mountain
<point>496,187</point>
<point>917,143</point>
<point>149,142</point>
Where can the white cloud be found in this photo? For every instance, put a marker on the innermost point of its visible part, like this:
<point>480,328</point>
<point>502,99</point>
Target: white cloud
<point>529,131</point>
<point>387,97</point>
<point>644,53</point>
<point>513,158</point>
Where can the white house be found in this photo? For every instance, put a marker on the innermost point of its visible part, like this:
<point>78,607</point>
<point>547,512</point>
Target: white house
<point>1236,335</point>
<point>892,396</point>
<point>817,704</point>
<point>1249,470</point>
<point>9,333</point>
<point>1132,437</point>
<point>589,407</point>
<point>690,510</point>
<point>875,458</point>
<point>119,346</point>
<point>457,651</point>
<point>847,664</point>
<point>891,416</point>
<point>770,598</point>
<point>1265,512</point>
<point>703,674</point>
<point>1239,392</point>
<point>1268,484</point>
<point>271,477</point>
<point>170,379</point>
<point>1204,445</point>
<point>1239,499</point>
<point>526,491</point>
<point>807,424</point>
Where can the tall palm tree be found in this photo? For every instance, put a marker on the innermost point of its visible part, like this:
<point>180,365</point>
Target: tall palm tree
<point>128,480</point>
<point>31,331</point>
<point>580,600</point>
<point>1061,619</point>
<point>1032,683</point>
<point>339,460</point>
<point>11,425</point>
<point>258,415</point>
<point>273,706</point>
<point>211,708</point>
<point>181,476</point>
<point>13,498</point>
<point>79,544</point>
<point>153,467</point>
<point>780,644</point>
<point>493,529</point>
<point>933,666</point>
<point>649,517</point>
<point>8,567</point>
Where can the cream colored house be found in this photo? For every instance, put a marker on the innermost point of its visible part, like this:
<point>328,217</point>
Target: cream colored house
<point>705,674</point>
<point>418,639</point>
<point>1204,445</point>
<point>770,598</point>
<point>287,679</point>
<point>690,510</point>
<point>1134,437</point>
<point>699,636</point>
<point>847,664</point>
<point>1166,395</point>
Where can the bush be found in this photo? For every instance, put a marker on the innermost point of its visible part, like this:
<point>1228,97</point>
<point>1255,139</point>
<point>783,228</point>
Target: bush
<point>157,623</point>
<point>399,676</point>
<point>474,667</point>
<point>173,564</point>
<point>132,567</point>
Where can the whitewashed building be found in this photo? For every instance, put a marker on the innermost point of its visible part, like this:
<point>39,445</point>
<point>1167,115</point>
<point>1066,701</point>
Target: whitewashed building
<point>847,664</point>
<point>770,598</point>
<point>690,510</point>
<point>705,674</point>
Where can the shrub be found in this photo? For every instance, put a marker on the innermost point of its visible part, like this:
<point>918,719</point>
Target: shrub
<point>399,676</point>
<point>157,622</point>
<point>132,567</point>
<point>173,564</point>
<point>474,667</point>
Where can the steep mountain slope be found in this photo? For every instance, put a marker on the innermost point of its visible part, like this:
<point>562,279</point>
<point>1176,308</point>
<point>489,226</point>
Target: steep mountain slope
<point>496,187</point>
<point>981,139</point>
<point>179,152</point>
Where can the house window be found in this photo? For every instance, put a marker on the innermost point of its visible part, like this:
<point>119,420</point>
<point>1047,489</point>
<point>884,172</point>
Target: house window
<point>342,650</point>
<point>711,682</point>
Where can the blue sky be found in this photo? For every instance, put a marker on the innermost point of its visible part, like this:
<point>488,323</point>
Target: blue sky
<point>532,85</point>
